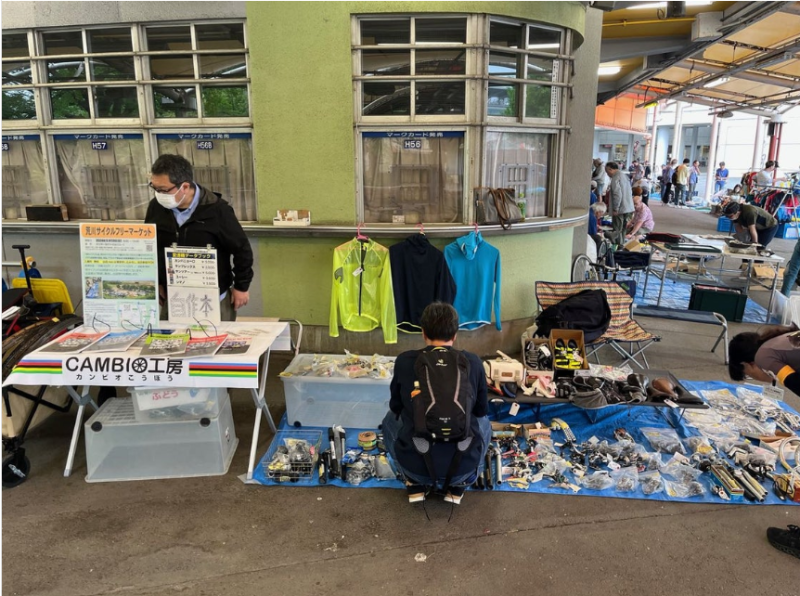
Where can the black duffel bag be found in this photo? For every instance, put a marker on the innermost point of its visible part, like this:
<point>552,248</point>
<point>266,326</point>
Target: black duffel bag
<point>587,310</point>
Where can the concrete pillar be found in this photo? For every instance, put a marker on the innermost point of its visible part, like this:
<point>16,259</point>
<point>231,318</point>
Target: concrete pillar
<point>677,135</point>
<point>651,153</point>
<point>712,157</point>
<point>757,161</point>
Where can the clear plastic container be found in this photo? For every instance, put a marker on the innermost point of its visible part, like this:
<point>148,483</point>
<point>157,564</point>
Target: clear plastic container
<point>151,404</point>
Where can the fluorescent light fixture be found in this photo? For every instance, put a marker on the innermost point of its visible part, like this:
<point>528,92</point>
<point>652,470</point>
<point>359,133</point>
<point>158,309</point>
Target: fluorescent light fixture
<point>605,71</point>
<point>716,82</point>
<point>543,46</point>
<point>664,5</point>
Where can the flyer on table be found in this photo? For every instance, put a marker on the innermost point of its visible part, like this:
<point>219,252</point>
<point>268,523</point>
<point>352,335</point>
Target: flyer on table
<point>120,275</point>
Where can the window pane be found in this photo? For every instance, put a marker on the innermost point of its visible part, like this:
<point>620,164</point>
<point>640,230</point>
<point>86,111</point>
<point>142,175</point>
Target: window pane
<point>227,168</point>
<point>163,39</point>
<point>441,30</point>
<point>544,40</point>
<point>385,62</point>
<point>24,176</point>
<point>18,104</point>
<point>503,65</point>
<point>222,66</point>
<point>539,69</point>
<point>115,68</point>
<point>441,62</point>
<point>502,100</point>
<point>15,45</point>
<point>508,36</point>
<point>171,67</point>
<point>17,73</point>
<point>394,31</point>
<point>440,98</point>
<point>175,102</point>
<point>69,103</point>
<point>109,40</point>
<point>220,36</point>
<point>420,178</point>
<point>541,102</point>
<point>66,71</point>
<point>103,184</point>
<point>225,102</point>
<point>62,42</point>
<point>386,99</point>
<point>520,161</point>
<point>116,102</point>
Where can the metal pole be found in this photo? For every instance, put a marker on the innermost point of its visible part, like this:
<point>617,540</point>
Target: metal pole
<point>677,135</point>
<point>712,157</point>
<point>757,161</point>
<point>651,157</point>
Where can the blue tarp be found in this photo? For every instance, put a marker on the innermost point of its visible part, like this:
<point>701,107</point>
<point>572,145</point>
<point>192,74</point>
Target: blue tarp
<point>606,421</point>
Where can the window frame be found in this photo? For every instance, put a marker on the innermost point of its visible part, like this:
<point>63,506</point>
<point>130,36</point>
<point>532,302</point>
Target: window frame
<point>476,121</point>
<point>46,127</point>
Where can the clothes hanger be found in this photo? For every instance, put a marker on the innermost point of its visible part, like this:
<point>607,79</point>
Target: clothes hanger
<point>421,227</point>
<point>359,236</point>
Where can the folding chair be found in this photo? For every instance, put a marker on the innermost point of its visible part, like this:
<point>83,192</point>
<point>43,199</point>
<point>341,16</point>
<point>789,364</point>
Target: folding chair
<point>623,329</point>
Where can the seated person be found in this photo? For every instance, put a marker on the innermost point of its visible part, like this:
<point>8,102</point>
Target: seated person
<point>753,224</point>
<point>439,323</point>
<point>642,222</point>
<point>773,355</point>
<point>596,213</point>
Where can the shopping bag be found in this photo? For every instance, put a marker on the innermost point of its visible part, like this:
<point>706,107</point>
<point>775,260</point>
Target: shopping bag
<point>496,206</point>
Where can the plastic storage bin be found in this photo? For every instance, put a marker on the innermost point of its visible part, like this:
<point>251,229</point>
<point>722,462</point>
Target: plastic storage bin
<point>176,403</point>
<point>326,401</point>
<point>118,447</point>
<point>729,302</point>
<point>724,224</point>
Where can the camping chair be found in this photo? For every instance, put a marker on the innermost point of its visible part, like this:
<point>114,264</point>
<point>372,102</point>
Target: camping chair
<point>622,330</point>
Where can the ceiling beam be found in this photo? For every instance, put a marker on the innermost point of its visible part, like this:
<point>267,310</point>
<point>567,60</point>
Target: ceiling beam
<point>778,81</point>
<point>632,47</point>
<point>711,104</point>
<point>792,8</point>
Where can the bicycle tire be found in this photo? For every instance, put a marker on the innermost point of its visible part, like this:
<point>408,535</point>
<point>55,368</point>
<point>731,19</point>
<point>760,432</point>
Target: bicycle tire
<point>583,269</point>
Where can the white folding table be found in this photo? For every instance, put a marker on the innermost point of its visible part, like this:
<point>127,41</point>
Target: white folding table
<point>119,369</point>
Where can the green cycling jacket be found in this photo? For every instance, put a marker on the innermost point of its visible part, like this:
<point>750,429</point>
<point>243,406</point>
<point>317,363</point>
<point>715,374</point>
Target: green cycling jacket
<point>362,295</point>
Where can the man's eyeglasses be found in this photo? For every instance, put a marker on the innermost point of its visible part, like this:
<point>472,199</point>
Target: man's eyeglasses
<point>150,184</point>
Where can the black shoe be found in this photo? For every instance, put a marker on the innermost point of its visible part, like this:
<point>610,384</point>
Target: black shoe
<point>787,541</point>
<point>454,495</point>
<point>416,493</point>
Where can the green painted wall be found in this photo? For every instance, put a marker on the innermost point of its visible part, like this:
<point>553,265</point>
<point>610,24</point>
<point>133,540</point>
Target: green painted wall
<point>302,97</point>
<point>296,272</point>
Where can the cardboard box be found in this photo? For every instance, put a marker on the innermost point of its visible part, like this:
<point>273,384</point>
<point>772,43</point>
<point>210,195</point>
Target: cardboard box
<point>566,335</point>
<point>292,218</point>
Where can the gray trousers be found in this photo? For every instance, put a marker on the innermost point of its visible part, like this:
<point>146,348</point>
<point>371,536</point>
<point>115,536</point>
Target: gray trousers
<point>619,224</point>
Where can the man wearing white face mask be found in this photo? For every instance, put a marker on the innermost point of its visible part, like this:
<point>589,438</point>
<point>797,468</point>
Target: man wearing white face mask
<point>187,214</point>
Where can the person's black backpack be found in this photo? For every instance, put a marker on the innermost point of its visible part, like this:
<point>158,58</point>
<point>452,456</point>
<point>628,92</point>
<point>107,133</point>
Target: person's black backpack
<point>442,403</point>
<point>587,310</point>
<point>675,176</point>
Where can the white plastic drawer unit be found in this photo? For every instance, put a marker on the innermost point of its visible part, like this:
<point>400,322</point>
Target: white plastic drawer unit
<point>326,401</point>
<point>120,447</point>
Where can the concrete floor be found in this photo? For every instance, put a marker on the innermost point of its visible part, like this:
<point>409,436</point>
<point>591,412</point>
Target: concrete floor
<point>62,536</point>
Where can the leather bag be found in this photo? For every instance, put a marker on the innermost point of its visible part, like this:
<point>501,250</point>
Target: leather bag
<point>496,206</point>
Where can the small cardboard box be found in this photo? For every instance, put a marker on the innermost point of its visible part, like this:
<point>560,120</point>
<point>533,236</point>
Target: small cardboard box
<point>566,335</point>
<point>634,245</point>
<point>292,218</point>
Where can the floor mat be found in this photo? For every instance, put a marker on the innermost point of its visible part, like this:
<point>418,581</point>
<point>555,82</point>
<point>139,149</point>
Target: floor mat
<point>600,424</point>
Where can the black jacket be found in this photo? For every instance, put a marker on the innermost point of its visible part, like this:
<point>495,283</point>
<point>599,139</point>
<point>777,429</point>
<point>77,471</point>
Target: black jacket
<point>400,404</point>
<point>213,222</point>
<point>419,276</point>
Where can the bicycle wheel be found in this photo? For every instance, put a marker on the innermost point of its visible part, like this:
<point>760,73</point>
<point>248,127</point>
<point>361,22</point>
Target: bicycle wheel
<point>583,269</point>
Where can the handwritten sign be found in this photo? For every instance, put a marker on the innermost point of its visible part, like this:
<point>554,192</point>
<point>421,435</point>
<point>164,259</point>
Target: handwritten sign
<point>189,305</point>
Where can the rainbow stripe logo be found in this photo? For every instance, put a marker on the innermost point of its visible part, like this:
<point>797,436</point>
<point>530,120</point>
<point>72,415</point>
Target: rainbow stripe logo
<point>38,367</point>
<point>228,369</point>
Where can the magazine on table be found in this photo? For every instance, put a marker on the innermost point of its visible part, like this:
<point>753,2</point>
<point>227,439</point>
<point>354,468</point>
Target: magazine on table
<point>204,346</point>
<point>72,343</point>
<point>235,346</point>
<point>139,343</point>
<point>159,344</point>
<point>116,341</point>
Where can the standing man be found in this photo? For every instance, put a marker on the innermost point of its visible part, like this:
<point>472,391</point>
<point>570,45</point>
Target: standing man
<point>694,175</point>
<point>681,179</point>
<point>620,202</point>
<point>648,171</point>
<point>599,176</point>
<point>721,177</point>
<point>187,214</point>
<point>765,177</point>
<point>666,181</point>
<point>439,323</point>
